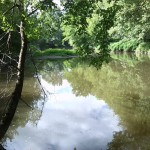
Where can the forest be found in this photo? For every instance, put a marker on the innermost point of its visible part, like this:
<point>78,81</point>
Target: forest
<point>89,29</point>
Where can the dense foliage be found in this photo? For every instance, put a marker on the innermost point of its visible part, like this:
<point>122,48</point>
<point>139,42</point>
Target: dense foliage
<point>89,25</point>
<point>86,24</point>
<point>132,23</point>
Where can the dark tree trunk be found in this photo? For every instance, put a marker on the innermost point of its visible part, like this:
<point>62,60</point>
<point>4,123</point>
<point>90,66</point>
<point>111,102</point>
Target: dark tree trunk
<point>16,95</point>
<point>2,148</point>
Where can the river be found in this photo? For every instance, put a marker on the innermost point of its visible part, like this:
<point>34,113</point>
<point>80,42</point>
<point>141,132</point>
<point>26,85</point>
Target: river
<point>84,108</point>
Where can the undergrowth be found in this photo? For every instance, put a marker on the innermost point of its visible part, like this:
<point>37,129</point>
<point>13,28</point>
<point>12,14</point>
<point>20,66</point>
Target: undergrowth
<point>54,52</point>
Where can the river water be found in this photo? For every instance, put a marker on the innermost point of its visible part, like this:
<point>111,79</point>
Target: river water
<point>84,108</point>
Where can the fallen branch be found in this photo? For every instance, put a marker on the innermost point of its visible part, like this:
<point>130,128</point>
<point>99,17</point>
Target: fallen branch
<point>36,72</point>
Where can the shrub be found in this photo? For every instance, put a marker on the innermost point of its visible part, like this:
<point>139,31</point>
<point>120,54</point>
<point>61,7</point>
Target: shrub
<point>124,45</point>
<point>143,48</point>
<point>55,52</point>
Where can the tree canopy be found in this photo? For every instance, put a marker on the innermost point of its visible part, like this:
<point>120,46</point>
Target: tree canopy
<point>89,25</point>
<point>132,20</point>
<point>86,24</point>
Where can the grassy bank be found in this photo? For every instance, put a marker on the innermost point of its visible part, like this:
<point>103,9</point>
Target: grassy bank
<point>121,46</point>
<point>130,46</point>
<point>55,52</point>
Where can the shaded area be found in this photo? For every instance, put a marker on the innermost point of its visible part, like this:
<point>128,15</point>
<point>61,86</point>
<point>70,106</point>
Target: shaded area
<point>7,84</point>
<point>6,88</point>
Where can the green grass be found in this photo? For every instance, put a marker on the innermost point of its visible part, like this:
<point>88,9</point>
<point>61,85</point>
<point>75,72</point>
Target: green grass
<point>55,52</point>
<point>123,45</point>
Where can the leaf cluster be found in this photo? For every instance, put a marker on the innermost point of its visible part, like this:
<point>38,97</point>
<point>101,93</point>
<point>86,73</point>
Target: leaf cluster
<point>86,24</point>
<point>132,20</point>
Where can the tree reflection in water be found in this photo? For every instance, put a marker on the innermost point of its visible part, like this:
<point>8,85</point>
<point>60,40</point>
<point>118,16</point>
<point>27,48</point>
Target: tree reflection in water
<point>31,97</point>
<point>123,84</point>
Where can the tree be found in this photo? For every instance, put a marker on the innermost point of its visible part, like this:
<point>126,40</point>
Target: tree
<point>132,20</point>
<point>49,23</point>
<point>86,24</point>
<point>18,16</point>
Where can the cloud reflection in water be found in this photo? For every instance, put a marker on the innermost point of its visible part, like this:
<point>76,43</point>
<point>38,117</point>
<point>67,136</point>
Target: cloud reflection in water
<point>68,122</point>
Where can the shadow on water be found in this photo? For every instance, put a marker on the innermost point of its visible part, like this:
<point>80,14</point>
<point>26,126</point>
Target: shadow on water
<point>5,99</point>
<point>6,89</point>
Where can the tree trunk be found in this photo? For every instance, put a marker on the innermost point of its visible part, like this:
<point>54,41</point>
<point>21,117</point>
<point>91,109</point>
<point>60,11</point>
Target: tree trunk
<point>21,63</point>
<point>16,95</point>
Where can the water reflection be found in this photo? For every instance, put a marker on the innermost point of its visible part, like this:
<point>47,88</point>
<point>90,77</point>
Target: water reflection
<point>86,108</point>
<point>67,122</point>
<point>125,88</point>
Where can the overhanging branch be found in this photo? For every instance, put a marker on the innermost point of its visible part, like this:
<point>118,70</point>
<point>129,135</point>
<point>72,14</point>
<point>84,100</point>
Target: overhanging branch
<point>31,13</point>
<point>10,9</point>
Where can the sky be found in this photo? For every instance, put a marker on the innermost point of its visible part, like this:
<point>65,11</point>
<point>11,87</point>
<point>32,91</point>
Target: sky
<point>57,1</point>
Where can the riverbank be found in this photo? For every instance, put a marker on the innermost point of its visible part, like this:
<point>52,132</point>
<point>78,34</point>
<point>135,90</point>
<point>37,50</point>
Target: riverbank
<point>55,53</point>
<point>130,46</point>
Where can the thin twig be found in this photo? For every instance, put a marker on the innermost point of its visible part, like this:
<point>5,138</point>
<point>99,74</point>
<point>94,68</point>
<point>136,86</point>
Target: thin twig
<point>36,72</point>
<point>10,9</point>
<point>32,12</point>
<point>9,57</point>
<point>3,36</point>
<point>26,104</point>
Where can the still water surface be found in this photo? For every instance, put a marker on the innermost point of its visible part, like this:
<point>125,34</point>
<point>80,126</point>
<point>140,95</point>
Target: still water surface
<point>85,108</point>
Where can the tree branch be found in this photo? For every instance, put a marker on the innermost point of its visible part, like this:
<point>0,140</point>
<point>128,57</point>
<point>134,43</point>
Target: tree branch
<point>31,13</point>
<point>26,104</point>
<point>36,72</point>
<point>3,36</point>
<point>15,5</point>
